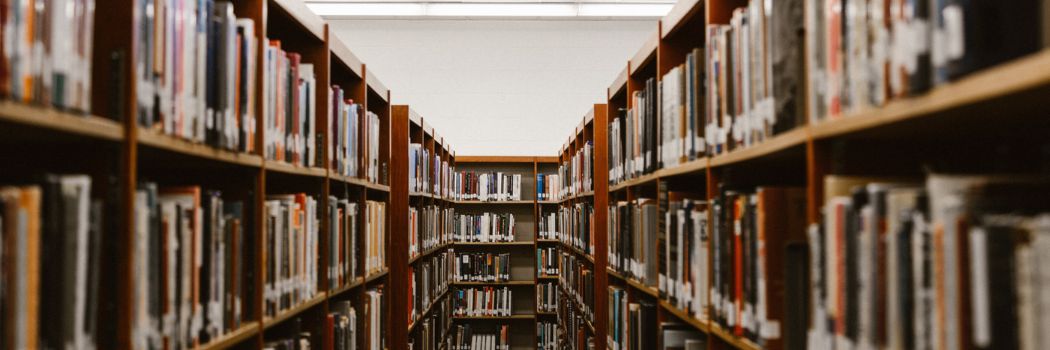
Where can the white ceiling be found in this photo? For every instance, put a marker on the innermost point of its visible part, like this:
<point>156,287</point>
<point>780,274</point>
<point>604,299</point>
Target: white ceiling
<point>491,9</point>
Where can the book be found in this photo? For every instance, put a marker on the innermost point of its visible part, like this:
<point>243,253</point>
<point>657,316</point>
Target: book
<point>292,238</point>
<point>47,53</point>
<point>484,227</point>
<point>375,237</point>
<point>192,72</point>
<point>482,302</point>
<point>343,241</point>
<point>578,280</point>
<point>486,186</point>
<point>482,267</point>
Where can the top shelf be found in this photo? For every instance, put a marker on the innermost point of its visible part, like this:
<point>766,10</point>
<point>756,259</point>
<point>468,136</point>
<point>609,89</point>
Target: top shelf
<point>297,11</point>
<point>1007,85</point>
<point>376,86</point>
<point>647,54</point>
<point>619,84</point>
<point>343,54</point>
<point>682,12</point>
<point>50,119</point>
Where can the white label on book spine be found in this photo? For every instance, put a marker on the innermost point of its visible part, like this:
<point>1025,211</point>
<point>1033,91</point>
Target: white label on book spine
<point>982,332</point>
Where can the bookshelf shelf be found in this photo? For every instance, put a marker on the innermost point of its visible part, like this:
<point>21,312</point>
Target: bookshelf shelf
<point>646,54</point>
<point>376,86</point>
<point>538,241</point>
<point>294,311</point>
<point>303,16</point>
<point>357,282</point>
<point>474,202</point>
<point>579,308</point>
<point>486,318</point>
<point>227,340</point>
<point>685,317</point>
<point>769,148</point>
<point>1021,79</point>
<point>547,278</point>
<point>426,312</point>
<point>504,283</point>
<point>612,273</point>
<point>639,286</point>
<point>51,119</point>
<point>618,85</point>
<point>344,56</point>
<point>578,252</point>
<point>375,277</point>
<point>495,244</point>
<point>359,182</point>
<point>682,12</point>
<point>429,252</point>
<point>156,140</point>
<point>285,168</point>
<point>733,340</point>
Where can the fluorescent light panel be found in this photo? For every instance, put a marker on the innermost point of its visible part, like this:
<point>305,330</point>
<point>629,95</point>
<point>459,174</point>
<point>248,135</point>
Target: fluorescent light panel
<point>418,9</point>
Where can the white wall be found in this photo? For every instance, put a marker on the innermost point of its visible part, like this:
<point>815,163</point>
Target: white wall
<point>496,87</point>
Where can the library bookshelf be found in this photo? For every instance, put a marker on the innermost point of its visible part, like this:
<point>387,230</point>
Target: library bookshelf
<point>585,198</point>
<point>108,144</point>
<point>905,137</point>
<point>523,272</point>
<point>428,324</point>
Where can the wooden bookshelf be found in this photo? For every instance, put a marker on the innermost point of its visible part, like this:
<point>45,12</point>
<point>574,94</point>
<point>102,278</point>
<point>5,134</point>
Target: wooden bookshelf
<point>523,259</point>
<point>110,136</point>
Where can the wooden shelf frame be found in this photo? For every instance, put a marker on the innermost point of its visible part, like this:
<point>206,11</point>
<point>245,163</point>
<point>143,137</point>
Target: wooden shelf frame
<point>150,155</point>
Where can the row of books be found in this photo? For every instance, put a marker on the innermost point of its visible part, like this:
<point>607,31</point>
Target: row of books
<point>955,261</point>
<point>575,226</point>
<point>466,337</point>
<point>375,237</point>
<point>547,297</point>
<point>297,340</point>
<point>374,317</point>
<point>482,301</point>
<point>191,283</point>
<point>53,251</point>
<point>289,107</point>
<point>754,75</point>
<point>685,266</point>
<point>674,336</point>
<point>682,124</point>
<point>429,227</point>
<point>432,327</point>
<point>354,148</point>
<point>484,227</point>
<point>342,235</point>
<point>633,232</point>
<point>576,174</point>
<point>575,330</point>
<point>340,327</point>
<point>748,242</point>
<point>194,71</point>
<point>548,187</point>
<point>856,62</point>
<point>547,262</point>
<point>292,226</point>
<point>578,281</point>
<point>47,53</point>
<point>633,136</point>
<point>428,173</point>
<point>632,324</point>
<point>482,267</point>
<point>547,335</point>
<point>486,186</point>
<point>427,281</point>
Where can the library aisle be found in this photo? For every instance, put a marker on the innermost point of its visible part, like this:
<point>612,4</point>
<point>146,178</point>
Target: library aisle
<point>788,174</point>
